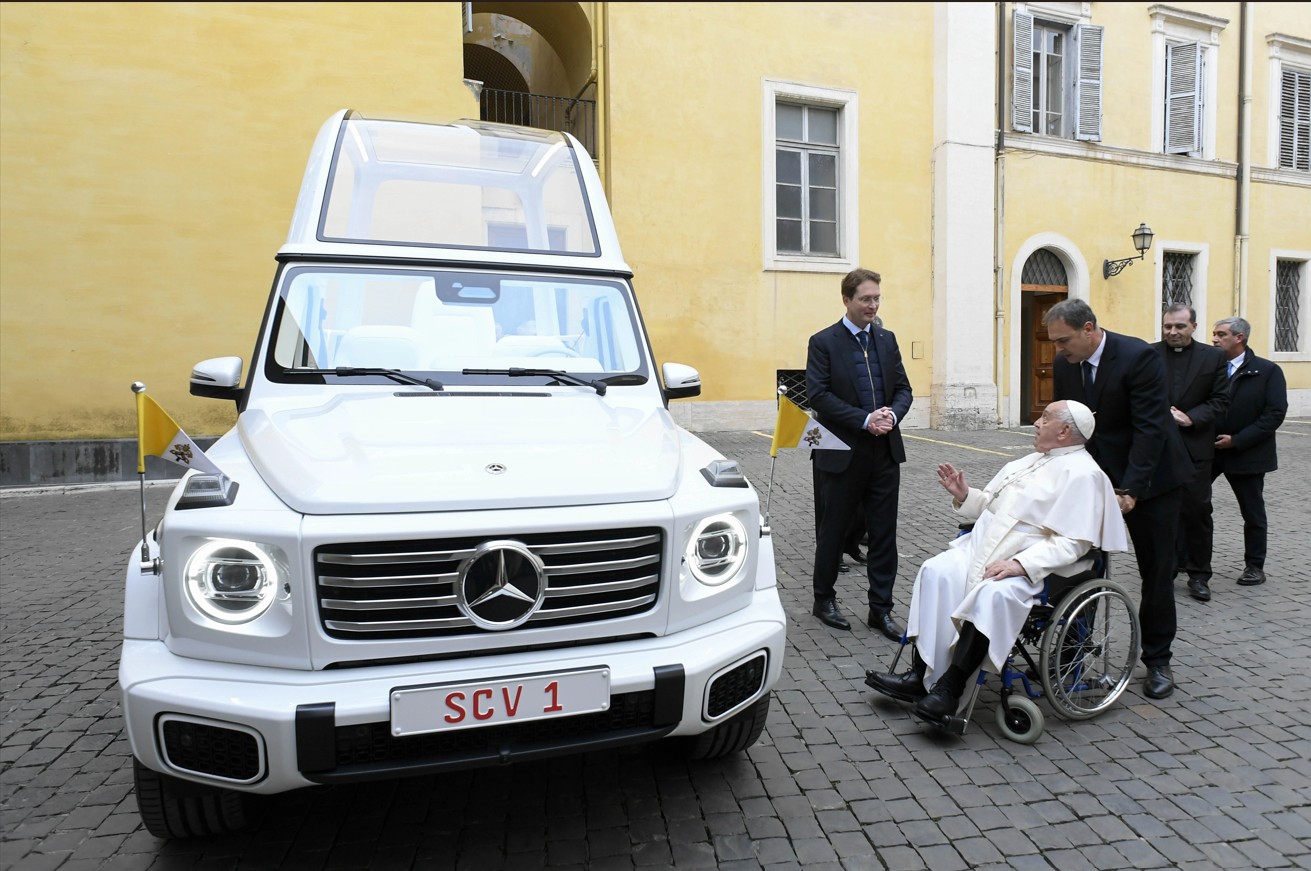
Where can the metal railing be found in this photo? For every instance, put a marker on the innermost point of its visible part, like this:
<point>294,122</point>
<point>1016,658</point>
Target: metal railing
<point>545,112</point>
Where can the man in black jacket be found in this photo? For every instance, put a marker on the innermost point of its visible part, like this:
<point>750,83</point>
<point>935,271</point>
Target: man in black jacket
<point>858,389</point>
<point>1245,436</point>
<point>1137,444</point>
<point>1199,393</point>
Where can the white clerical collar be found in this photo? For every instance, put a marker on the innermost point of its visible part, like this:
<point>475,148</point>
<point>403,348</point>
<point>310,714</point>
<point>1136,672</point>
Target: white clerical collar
<point>1068,449</point>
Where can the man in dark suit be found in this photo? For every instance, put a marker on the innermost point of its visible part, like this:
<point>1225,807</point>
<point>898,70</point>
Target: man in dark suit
<point>1245,436</point>
<point>1137,444</point>
<point>858,389</point>
<point>1199,394</point>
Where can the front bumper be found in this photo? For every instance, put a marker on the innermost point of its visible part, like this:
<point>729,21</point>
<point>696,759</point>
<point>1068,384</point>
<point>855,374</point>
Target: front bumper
<point>295,728</point>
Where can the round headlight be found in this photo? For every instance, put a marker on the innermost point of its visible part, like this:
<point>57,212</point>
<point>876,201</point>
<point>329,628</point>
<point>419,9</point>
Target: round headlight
<point>231,581</point>
<point>717,549</point>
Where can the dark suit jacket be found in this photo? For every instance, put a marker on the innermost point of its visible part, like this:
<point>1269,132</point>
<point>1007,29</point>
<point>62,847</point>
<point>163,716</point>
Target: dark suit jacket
<point>1136,441</point>
<point>1258,401</point>
<point>832,391</point>
<point>1202,394</point>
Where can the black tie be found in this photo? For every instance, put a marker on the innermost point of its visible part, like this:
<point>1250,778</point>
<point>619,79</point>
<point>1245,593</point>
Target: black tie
<point>1088,376</point>
<point>863,338</point>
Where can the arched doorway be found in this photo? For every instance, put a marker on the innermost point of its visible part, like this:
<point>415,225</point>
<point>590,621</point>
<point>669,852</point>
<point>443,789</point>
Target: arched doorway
<point>534,66</point>
<point>1043,283</point>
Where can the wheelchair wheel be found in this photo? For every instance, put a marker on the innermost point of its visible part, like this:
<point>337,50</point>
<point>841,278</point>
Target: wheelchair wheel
<point>1089,649</point>
<point>1020,720</point>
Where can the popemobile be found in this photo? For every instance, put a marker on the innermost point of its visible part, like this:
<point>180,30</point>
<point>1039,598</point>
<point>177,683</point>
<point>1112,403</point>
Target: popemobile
<point>455,524</point>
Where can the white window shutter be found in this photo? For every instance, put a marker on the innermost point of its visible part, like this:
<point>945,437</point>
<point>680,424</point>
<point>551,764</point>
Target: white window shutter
<point>1295,120</point>
<point>1022,89</point>
<point>1088,83</point>
<point>1183,100</point>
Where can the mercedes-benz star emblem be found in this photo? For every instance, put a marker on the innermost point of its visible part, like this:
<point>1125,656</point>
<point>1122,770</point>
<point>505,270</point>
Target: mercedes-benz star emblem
<point>501,585</point>
<point>495,468</point>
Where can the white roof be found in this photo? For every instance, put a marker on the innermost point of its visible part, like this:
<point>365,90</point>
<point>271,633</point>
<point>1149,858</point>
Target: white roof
<point>470,192</point>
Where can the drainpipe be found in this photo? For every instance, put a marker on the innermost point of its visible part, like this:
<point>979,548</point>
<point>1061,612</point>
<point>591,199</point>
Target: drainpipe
<point>601,76</point>
<point>999,221</point>
<point>1241,239</point>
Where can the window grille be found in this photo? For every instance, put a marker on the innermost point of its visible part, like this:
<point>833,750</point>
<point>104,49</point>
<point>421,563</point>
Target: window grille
<point>1177,279</point>
<point>1044,267</point>
<point>794,380</point>
<point>1288,304</point>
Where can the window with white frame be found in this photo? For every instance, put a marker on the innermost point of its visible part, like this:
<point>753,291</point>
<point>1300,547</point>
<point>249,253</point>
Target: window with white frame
<point>1290,96</point>
<point>1182,268</point>
<point>810,178</point>
<point>1185,48</point>
<point>1295,119</point>
<point>1292,319</point>
<point>1056,77</point>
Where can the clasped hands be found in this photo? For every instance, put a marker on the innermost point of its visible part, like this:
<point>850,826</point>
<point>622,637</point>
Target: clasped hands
<point>881,421</point>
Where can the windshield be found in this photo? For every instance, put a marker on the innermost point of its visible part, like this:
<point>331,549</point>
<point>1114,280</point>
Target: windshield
<point>445,321</point>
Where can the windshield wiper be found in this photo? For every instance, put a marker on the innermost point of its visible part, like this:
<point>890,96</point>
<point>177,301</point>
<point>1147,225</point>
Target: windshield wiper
<point>393,374</point>
<point>516,372</point>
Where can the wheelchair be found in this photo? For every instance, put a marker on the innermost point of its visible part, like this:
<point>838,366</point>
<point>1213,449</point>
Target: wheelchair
<point>1077,648</point>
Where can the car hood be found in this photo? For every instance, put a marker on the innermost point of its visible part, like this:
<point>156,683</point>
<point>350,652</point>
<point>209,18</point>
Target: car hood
<point>393,452</point>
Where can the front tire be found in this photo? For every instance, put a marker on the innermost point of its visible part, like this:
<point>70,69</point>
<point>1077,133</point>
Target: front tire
<point>734,735</point>
<point>1020,720</point>
<point>175,808</point>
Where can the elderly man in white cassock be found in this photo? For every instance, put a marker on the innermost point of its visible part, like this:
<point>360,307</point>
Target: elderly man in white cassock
<point>1040,514</point>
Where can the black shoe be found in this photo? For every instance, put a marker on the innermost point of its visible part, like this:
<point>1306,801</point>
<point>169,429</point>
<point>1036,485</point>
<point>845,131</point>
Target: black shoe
<point>1199,589</point>
<point>828,614</point>
<point>881,621</point>
<point>906,687</point>
<point>939,704</point>
<point>856,555</point>
<point>843,568</point>
<point>1159,682</point>
<point>1251,577</point>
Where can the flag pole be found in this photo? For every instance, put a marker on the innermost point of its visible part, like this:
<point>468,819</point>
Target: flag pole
<point>146,563</point>
<point>769,489</point>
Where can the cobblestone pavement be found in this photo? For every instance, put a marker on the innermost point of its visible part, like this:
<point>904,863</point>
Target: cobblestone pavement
<point>1216,776</point>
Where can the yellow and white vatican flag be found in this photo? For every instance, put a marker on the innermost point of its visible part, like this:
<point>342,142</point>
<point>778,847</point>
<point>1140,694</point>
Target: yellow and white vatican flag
<point>796,429</point>
<point>158,435</point>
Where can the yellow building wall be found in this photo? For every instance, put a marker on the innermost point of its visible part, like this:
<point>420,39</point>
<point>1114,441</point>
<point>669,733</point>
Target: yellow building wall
<point>1097,203</point>
<point>685,97</point>
<point>151,156</point>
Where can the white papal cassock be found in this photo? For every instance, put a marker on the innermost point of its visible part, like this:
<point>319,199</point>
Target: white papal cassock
<point>1044,510</point>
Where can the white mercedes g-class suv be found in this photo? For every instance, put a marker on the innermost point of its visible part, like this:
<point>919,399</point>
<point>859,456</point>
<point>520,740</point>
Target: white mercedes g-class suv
<point>457,526</point>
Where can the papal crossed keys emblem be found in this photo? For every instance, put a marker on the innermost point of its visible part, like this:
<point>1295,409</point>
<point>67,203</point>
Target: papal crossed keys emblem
<point>181,452</point>
<point>813,437</point>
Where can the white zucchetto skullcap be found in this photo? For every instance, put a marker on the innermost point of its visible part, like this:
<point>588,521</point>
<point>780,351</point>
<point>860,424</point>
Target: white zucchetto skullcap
<point>1083,417</point>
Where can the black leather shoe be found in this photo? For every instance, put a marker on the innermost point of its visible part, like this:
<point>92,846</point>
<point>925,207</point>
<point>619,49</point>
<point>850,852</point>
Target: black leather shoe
<point>843,568</point>
<point>1251,577</point>
<point>881,621</point>
<point>906,687</point>
<point>938,704</point>
<point>828,614</point>
<point>1199,589</point>
<point>856,555</point>
<point>1159,682</point>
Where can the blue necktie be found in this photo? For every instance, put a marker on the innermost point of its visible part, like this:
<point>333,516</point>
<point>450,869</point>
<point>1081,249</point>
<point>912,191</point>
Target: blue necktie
<point>863,338</point>
<point>1089,374</point>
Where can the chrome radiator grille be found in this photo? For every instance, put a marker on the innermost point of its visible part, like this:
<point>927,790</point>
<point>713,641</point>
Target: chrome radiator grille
<point>407,589</point>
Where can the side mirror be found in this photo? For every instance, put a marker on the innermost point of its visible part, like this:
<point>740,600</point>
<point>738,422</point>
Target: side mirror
<point>681,381</point>
<point>217,378</point>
